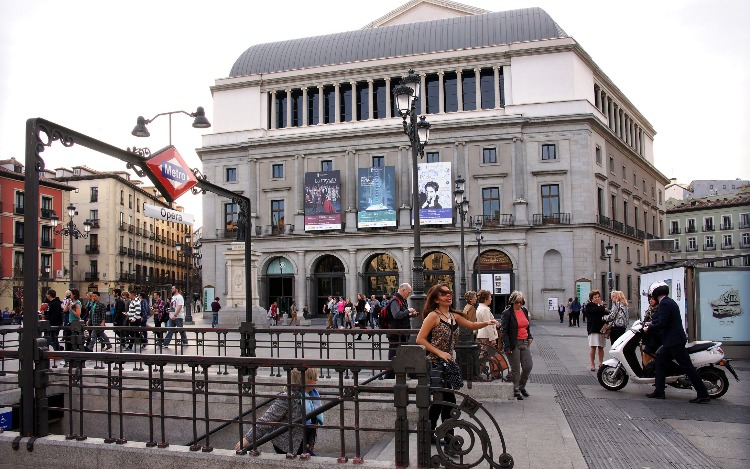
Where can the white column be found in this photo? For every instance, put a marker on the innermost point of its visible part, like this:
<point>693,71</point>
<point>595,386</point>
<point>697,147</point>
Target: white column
<point>337,103</point>
<point>354,101</point>
<point>408,273</point>
<point>523,282</point>
<point>288,108</point>
<point>321,105</point>
<point>388,97</point>
<point>273,110</point>
<point>441,92</point>
<point>478,87</point>
<point>353,276</point>
<point>304,107</point>
<point>496,85</point>
<point>460,90</point>
<point>371,105</point>
<point>300,283</point>
<point>422,94</point>
<point>508,85</point>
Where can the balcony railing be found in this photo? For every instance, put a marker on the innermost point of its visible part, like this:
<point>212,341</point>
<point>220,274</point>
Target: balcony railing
<point>18,271</point>
<point>629,230</point>
<point>726,226</point>
<point>47,243</point>
<point>691,249</point>
<point>92,249</point>
<point>727,246</point>
<point>138,231</point>
<point>227,234</point>
<point>709,247</point>
<point>674,230</point>
<point>94,223</point>
<point>157,237</point>
<point>138,254</point>
<point>131,252</point>
<point>604,221</point>
<point>708,228</point>
<point>618,226</point>
<point>123,226</point>
<point>17,239</point>
<point>18,209</point>
<point>551,219</point>
<point>91,276</point>
<point>47,213</point>
<point>150,235</point>
<point>497,219</point>
<point>744,224</point>
<point>744,244</point>
<point>640,234</point>
<point>125,277</point>
<point>690,229</point>
<point>123,251</point>
<point>131,228</point>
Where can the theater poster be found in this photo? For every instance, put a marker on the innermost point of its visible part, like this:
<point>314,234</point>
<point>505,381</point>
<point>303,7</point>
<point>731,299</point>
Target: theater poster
<point>435,194</point>
<point>723,300</point>
<point>376,204</point>
<point>323,200</point>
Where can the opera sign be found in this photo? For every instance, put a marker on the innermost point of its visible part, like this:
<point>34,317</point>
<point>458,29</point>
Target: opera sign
<point>166,214</point>
<point>172,172</point>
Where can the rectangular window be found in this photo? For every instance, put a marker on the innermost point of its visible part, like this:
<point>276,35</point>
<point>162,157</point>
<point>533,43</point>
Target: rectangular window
<point>18,264</point>
<point>19,204</point>
<point>18,231</point>
<point>450,92</point>
<point>550,200</point>
<point>277,171</point>
<point>46,236</point>
<point>635,180</point>
<point>329,104</point>
<point>728,262</point>
<point>598,155</point>
<point>138,205</point>
<point>469,90</point>
<point>745,240</point>
<point>690,228</point>
<point>674,227</point>
<point>313,106</point>
<point>638,256</point>
<point>130,200</point>
<point>744,220</point>
<point>692,244</point>
<point>432,91</point>
<point>617,252</point>
<point>548,152</point>
<point>379,110</point>
<point>627,254</point>
<point>644,186</point>
<point>617,281</point>
<point>709,241</point>
<point>231,215</point>
<point>611,164</point>
<point>46,208</point>
<point>280,109</point>
<point>659,195</point>
<point>122,198</point>
<point>676,244</point>
<point>625,211</point>
<point>708,224</point>
<point>727,242</point>
<point>94,194</point>
<point>326,165</point>
<point>433,157</point>
<point>346,107</point>
<point>487,87</point>
<point>363,100</point>
<point>277,214</point>
<point>46,265</point>
<point>489,155</point>
<point>93,215</point>
<point>298,118</point>
<point>230,175</point>
<point>491,203</point>
<point>395,81</point>
<point>378,161</point>
<point>614,207</point>
<point>624,174</point>
<point>726,222</point>
<point>628,286</point>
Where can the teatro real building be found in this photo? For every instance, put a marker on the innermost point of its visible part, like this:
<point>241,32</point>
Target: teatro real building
<point>558,162</point>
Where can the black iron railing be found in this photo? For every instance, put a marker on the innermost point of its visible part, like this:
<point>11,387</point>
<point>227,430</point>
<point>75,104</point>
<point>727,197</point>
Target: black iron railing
<point>498,219</point>
<point>551,218</point>
<point>604,221</point>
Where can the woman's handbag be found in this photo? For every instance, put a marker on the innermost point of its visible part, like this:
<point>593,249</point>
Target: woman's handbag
<point>606,329</point>
<point>446,374</point>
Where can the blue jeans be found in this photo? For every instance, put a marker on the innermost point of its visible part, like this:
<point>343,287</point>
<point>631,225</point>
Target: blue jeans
<point>214,319</point>
<point>337,320</point>
<point>177,322</point>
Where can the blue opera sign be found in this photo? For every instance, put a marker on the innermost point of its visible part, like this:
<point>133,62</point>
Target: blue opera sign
<point>172,172</point>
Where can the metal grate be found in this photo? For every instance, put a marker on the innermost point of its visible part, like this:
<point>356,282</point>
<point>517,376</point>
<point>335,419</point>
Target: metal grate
<point>581,380</point>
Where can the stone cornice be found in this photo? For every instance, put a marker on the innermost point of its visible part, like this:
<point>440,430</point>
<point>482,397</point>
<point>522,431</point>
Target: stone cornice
<point>600,176</point>
<point>614,184</point>
<point>550,172</point>
<point>490,175</point>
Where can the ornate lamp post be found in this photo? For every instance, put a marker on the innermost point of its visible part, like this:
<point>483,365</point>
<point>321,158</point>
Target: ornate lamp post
<point>478,221</point>
<point>608,248</point>
<point>200,122</point>
<point>72,231</point>
<point>418,131</point>
<point>188,251</point>
<point>462,204</point>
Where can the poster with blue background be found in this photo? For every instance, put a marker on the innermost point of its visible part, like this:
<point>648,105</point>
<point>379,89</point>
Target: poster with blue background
<point>376,201</point>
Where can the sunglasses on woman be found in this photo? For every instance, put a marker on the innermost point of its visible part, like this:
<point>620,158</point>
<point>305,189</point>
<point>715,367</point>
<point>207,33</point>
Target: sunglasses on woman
<point>445,293</point>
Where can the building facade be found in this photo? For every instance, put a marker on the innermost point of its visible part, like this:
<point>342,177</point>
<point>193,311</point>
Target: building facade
<point>125,249</point>
<point>712,227</point>
<point>705,187</point>
<point>557,161</point>
<point>53,251</point>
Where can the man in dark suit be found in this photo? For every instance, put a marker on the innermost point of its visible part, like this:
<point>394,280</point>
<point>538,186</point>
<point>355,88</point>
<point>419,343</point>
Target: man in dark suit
<point>668,321</point>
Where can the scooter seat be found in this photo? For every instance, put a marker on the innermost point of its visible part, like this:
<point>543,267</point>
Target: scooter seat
<point>700,347</point>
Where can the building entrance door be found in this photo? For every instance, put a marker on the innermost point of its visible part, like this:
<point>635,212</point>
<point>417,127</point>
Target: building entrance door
<point>329,279</point>
<point>280,283</point>
<point>497,277</point>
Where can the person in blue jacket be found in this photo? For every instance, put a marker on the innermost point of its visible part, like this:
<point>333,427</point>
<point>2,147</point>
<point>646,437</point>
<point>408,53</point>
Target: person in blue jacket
<point>668,321</point>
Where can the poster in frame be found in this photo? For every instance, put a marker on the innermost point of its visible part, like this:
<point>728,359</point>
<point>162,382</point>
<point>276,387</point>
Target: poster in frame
<point>722,302</point>
<point>323,200</point>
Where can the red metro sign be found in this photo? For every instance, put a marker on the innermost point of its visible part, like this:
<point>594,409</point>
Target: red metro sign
<point>172,172</point>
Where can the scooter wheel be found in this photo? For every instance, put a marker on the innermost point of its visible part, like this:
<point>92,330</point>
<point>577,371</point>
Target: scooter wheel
<point>715,380</point>
<point>610,379</point>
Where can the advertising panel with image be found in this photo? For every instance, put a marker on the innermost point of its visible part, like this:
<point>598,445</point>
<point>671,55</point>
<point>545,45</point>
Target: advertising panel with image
<point>675,278</point>
<point>376,204</point>
<point>723,300</point>
<point>323,200</point>
<point>435,194</point>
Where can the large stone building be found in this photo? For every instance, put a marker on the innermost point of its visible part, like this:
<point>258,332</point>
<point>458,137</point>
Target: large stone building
<point>557,161</point>
<point>714,227</point>
<point>125,249</point>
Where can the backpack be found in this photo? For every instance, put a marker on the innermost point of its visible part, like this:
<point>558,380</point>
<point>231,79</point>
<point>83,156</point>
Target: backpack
<point>145,309</point>
<point>385,319</point>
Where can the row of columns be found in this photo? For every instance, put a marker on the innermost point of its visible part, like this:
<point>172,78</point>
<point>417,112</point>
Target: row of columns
<point>619,121</point>
<point>370,83</point>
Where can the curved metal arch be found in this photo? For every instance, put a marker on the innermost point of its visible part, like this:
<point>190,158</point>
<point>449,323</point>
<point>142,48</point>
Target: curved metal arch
<point>438,251</point>
<point>271,257</point>
<point>375,253</point>
<point>317,259</point>
<point>475,258</point>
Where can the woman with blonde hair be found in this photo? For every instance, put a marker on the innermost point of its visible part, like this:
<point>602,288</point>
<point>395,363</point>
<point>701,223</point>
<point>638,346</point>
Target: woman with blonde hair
<point>618,315</point>
<point>470,310</point>
<point>279,412</point>
<point>486,335</point>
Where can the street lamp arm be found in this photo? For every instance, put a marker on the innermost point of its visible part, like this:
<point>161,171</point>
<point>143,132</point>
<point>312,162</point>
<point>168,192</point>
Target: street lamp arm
<point>189,114</point>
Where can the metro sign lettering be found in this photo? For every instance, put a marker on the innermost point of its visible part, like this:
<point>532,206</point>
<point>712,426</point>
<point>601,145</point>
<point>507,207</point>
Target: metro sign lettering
<point>172,172</point>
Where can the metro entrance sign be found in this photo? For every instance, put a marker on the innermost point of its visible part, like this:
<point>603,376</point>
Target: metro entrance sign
<point>171,171</point>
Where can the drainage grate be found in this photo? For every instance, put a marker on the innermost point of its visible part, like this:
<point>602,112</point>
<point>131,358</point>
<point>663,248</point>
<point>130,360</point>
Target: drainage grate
<point>563,379</point>
<point>716,411</point>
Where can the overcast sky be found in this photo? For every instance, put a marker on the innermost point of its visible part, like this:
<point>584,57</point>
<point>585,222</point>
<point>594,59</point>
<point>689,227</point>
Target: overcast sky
<point>95,66</point>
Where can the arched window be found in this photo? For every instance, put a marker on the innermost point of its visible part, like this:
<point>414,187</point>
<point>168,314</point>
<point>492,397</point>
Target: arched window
<point>439,268</point>
<point>553,273</point>
<point>381,275</point>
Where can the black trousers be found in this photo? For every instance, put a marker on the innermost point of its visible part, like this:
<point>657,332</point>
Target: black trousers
<point>394,341</point>
<point>575,319</point>
<point>442,410</point>
<point>678,353</point>
<point>615,334</point>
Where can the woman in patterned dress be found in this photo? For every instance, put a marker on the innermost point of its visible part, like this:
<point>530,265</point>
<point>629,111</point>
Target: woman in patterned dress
<point>439,334</point>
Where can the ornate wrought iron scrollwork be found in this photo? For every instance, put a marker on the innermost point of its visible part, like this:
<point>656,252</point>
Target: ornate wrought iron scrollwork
<point>201,177</point>
<point>298,344</point>
<point>274,343</point>
<point>324,345</point>
<point>376,345</point>
<point>156,384</point>
<point>136,170</point>
<point>199,342</point>
<point>462,437</point>
<point>143,152</point>
<point>222,342</point>
<point>115,382</point>
<point>50,136</point>
<point>201,385</point>
<point>247,389</point>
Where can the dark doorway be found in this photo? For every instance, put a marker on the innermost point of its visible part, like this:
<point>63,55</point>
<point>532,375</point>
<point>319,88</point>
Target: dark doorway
<point>497,277</point>
<point>329,279</point>
<point>439,268</point>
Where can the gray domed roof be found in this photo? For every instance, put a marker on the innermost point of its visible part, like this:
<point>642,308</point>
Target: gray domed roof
<point>489,29</point>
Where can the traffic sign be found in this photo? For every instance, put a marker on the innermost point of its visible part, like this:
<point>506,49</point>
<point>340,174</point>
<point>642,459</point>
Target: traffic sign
<point>172,172</point>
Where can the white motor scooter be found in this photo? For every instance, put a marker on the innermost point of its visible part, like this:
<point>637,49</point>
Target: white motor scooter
<point>614,373</point>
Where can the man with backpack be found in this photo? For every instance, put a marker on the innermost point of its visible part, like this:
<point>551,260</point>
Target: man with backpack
<point>374,311</point>
<point>397,315</point>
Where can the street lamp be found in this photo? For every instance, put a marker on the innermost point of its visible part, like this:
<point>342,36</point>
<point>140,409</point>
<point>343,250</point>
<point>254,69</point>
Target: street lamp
<point>72,231</point>
<point>282,264</point>
<point>45,275</point>
<point>478,221</point>
<point>608,248</point>
<point>418,131</point>
<point>188,251</point>
<point>462,204</point>
<point>200,122</point>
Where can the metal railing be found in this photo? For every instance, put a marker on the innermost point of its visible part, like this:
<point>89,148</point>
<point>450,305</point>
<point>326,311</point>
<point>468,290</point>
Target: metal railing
<point>551,218</point>
<point>708,228</point>
<point>709,247</point>
<point>92,249</point>
<point>604,221</point>
<point>215,400</point>
<point>726,226</point>
<point>498,219</point>
<point>674,230</point>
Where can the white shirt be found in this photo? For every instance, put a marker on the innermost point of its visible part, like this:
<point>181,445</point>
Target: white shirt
<point>177,300</point>
<point>484,314</point>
